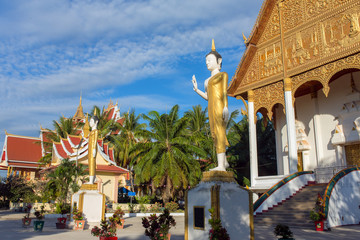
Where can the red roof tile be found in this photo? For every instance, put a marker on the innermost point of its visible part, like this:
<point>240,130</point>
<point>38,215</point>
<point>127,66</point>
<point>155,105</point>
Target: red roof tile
<point>60,150</point>
<point>23,148</point>
<point>112,168</point>
<point>67,145</point>
<point>75,140</point>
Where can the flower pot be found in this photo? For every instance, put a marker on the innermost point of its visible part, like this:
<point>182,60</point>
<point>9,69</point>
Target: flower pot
<point>108,238</point>
<point>79,224</point>
<point>26,222</point>
<point>319,225</point>
<point>38,225</point>
<point>118,226</point>
<point>61,220</point>
<point>60,225</point>
<point>167,236</point>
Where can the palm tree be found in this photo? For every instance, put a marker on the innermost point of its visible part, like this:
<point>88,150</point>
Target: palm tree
<point>167,159</point>
<point>62,128</point>
<point>106,125</point>
<point>126,139</point>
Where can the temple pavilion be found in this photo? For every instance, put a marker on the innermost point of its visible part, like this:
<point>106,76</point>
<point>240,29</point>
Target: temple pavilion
<point>21,154</point>
<point>301,70</point>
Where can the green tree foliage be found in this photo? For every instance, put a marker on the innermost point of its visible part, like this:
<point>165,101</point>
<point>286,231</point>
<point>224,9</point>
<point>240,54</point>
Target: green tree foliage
<point>127,138</point>
<point>63,180</point>
<point>238,152</point>
<point>15,189</point>
<point>167,158</point>
<point>105,125</point>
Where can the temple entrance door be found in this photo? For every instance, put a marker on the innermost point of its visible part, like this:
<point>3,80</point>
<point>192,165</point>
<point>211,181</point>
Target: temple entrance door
<point>352,154</point>
<point>300,167</point>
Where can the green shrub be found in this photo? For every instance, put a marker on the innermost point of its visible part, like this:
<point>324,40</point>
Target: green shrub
<point>172,206</point>
<point>156,207</point>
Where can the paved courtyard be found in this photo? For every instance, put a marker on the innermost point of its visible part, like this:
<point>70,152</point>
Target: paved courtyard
<point>11,229</point>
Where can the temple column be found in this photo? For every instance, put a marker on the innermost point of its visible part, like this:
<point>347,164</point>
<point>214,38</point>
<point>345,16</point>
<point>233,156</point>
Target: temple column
<point>116,189</point>
<point>252,139</point>
<point>290,127</point>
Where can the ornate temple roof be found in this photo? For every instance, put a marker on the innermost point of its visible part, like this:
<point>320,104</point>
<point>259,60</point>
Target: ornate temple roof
<point>21,151</point>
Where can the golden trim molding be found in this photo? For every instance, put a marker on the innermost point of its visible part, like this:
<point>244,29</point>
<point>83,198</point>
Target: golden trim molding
<point>89,187</point>
<point>186,236</point>
<point>215,200</point>
<point>221,176</point>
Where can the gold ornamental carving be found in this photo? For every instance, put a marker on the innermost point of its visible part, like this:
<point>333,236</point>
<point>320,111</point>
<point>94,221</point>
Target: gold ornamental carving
<point>270,61</point>
<point>324,73</point>
<point>272,28</point>
<point>267,96</point>
<point>329,30</point>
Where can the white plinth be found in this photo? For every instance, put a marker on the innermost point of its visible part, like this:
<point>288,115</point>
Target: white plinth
<point>91,203</point>
<point>235,209</point>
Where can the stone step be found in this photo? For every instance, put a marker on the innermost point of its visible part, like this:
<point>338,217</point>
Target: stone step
<point>293,212</point>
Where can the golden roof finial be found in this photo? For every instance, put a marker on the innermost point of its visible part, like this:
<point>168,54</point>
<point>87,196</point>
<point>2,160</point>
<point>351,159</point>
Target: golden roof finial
<point>213,45</point>
<point>245,39</point>
<point>95,112</point>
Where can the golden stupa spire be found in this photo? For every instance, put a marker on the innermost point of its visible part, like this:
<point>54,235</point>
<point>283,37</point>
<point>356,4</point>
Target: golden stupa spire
<point>79,111</point>
<point>213,45</point>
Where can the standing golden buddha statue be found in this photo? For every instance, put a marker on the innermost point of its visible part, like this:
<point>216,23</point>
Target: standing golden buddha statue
<point>92,148</point>
<point>216,95</point>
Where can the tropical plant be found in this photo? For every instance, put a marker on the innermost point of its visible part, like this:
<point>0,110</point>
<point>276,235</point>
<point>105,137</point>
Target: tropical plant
<point>283,231</point>
<point>108,228</point>
<point>127,138</point>
<point>106,125</point>
<point>167,158</point>
<point>15,189</point>
<point>217,231</point>
<point>63,180</point>
<point>172,206</point>
<point>317,214</point>
<point>157,227</point>
<point>40,214</point>
<point>77,215</point>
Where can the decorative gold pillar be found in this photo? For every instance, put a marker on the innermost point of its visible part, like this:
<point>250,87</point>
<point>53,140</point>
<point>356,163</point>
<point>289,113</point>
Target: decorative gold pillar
<point>215,200</point>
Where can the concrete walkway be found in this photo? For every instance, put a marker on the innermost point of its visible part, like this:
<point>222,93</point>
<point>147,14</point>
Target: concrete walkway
<point>11,229</point>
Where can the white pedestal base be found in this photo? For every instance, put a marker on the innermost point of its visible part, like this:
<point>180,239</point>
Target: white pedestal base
<point>235,208</point>
<point>91,203</point>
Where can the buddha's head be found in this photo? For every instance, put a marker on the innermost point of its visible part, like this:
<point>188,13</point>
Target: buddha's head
<point>93,122</point>
<point>213,59</point>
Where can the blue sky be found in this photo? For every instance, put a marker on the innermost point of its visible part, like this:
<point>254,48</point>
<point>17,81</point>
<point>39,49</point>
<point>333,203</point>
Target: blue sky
<point>139,53</point>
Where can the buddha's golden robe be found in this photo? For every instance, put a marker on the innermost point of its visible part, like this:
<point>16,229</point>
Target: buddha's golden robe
<point>217,100</point>
<point>92,145</point>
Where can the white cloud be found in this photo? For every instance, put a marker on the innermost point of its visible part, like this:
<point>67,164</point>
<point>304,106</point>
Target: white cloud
<point>51,50</point>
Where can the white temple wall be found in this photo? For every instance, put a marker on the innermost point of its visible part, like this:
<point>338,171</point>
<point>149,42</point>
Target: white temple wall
<point>328,109</point>
<point>305,108</point>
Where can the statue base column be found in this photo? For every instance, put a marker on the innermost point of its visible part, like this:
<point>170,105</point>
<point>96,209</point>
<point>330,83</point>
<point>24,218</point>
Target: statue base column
<point>90,202</point>
<point>231,203</point>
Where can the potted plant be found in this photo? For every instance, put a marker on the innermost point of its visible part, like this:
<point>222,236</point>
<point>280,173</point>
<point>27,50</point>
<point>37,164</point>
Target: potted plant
<point>78,219</point>
<point>26,220</point>
<point>39,223</point>
<point>283,231</point>
<point>217,231</point>
<point>317,214</point>
<point>157,227</point>
<point>62,209</point>
<point>107,230</point>
<point>117,217</point>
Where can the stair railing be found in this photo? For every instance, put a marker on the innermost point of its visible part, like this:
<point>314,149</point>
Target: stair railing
<point>325,174</point>
<point>282,190</point>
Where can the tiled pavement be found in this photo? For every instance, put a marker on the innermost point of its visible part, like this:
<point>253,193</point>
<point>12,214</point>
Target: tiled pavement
<point>11,229</point>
